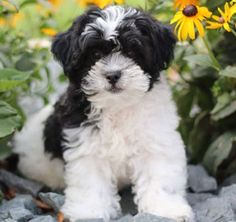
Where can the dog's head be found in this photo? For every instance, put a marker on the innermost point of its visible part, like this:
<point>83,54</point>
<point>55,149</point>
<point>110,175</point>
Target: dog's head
<point>114,55</point>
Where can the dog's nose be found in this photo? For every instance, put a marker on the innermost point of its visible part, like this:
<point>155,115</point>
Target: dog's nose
<point>113,77</point>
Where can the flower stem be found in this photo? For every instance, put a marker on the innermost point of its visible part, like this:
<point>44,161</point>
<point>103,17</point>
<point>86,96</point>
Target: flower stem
<point>233,32</point>
<point>211,54</point>
<point>146,5</point>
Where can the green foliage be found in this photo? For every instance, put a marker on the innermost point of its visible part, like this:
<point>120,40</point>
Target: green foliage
<point>205,94</point>
<point>20,66</point>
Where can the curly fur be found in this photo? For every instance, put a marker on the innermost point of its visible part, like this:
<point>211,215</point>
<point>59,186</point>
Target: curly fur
<point>116,123</point>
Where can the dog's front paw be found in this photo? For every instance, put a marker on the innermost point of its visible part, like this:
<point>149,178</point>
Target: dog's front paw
<point>170,206</point>
<point>75,211</point>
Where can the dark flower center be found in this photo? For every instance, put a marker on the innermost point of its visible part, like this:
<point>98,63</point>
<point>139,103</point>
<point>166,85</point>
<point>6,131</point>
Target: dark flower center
<point>221,20</point>
<point>190,10</point>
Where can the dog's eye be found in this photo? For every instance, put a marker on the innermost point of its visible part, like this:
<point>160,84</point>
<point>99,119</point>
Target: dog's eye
<point>98,54</point>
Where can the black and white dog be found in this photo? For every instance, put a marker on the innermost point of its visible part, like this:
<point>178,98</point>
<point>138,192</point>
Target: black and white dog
<point>116,123</point>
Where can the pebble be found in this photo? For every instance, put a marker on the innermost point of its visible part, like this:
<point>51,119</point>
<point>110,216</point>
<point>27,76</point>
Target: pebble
<point>199,181</point>
<point>194,198</point>
<point>44,219</point>
<point>53,199</point>
<point>214,210</point>
<point>19,184</point>
<point>144,217</point>
<point>229,194</point>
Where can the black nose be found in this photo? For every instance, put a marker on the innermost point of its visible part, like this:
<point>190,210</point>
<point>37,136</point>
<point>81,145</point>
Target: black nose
<point>113,77</point>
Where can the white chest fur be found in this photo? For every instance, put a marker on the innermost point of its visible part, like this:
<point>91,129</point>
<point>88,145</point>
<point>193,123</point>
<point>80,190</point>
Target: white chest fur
<point>121,135</point>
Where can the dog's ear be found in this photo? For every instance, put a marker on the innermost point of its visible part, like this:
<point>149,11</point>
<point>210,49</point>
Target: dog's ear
<point>162,40</point>
<point>66,46</point>
<point>61,47</point>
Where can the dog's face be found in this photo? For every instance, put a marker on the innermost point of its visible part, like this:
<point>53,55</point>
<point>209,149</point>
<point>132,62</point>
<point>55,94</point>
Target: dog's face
<point>114,55</point>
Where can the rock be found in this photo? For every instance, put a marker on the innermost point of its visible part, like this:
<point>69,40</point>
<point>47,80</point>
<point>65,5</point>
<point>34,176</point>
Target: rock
<point>53,199</point>
<point>229,194</point>
<point>214,209</point>
<point>199,181</point>
<point>90,220</point>
<point>194,198</point>
<point>19,184</point>
<point>44,219</point>
<point>20,202</point>
<point>9,220</point>
<point>144,217</point>
<point>126,218</point>
<point>20,214</point>
<point>230,180</point>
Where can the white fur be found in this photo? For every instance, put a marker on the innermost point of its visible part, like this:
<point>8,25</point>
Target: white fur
<point>112,18</point>
<point>34,162</point>
<point>134,83</point>
<point>137,144</point>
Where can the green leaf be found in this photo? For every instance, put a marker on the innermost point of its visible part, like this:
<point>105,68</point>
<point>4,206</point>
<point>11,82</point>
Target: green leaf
<point>218,151</point>
<point>230,71</point>
<point>9,119</point>
<point>27,2</point>
<point>10,78</point>
<point>200,59</point>
<point>184,102</point>
<point>225,106</point>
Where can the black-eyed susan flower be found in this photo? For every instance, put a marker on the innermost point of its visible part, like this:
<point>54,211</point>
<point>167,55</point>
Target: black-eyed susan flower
<point>99,3</point>
<point>188,19</point>
<point>224,19</point>
<point>183,3</point>
<point>49,31</point>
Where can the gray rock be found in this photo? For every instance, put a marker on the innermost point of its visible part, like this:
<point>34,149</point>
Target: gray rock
<point>230,180</point>
<point>44,219</point>
<point>20,214</point>
<point>199,181</point>
<point>9,220</point>
<point>24,202</point>
<point>126,218</point>
<point>214,210</point>
<point>194,198</point>
<point>229,194</point>
<point>150,218</point>
<point>90,220</point>
<point>19,184</point>
<point>53,199</point>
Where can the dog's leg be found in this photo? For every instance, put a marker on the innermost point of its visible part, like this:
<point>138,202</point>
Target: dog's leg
<point>159,186</point>
<point>91,190</point>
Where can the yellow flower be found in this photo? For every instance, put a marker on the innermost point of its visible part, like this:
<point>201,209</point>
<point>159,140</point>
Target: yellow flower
<point>2,22</point>
<point>16,18</point>
<point>49,31</point>
<point>55,3</point>
<point>183,3</point>
<point>188,19</point>
<point>232,2</point>
<point>11,20</point>
<point>99,3</point>
<point>224,19</point>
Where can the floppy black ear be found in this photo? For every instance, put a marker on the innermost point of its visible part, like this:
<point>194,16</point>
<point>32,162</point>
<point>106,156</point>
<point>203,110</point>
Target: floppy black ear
<point>164,41</point>
<point>61,47</point>
<point>66,46</point>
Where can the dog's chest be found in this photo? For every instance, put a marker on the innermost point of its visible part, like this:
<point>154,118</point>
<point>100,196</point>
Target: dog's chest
<point>117,133</point>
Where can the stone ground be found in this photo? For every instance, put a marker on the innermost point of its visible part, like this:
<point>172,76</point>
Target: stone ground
<point>31,201</point>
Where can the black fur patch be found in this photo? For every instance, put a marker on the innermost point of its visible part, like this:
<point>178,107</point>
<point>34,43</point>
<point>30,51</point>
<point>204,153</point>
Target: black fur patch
<point>70,112</point>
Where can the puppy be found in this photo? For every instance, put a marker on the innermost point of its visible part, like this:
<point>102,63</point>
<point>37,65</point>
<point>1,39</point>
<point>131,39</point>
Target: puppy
<point>116,123</point>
